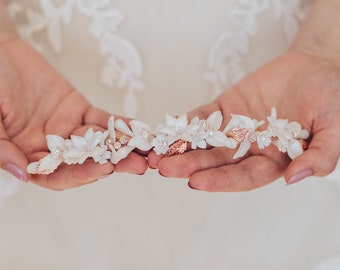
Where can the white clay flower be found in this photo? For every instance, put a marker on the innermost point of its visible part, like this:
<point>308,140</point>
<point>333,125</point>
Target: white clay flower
<point>207,131</point>
<point>142,135</point>
<point>284,135</point>
<point>198,134</point>
<point>215,137</point>
<point>175,128</point>
<point>160,143</point>
<point>80,148</point>
<point>244,130</point>
<point>118,146</point>
<point>46,165</point>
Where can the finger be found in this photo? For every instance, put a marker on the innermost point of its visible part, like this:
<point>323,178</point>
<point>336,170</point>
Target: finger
<point>319,159</point>
<point>133,163</point>
<point>97,117</point>
<point>183,166</point>
<point>252,172</point>
<point>12,159</point>
<point>71,176</point>
<point>154,159</point>
<point>67,115</point>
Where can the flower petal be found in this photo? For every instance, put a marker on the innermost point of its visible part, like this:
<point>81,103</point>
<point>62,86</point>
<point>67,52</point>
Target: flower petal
<point>201,144</point>
<point>239,121</point>
<point>138,126</point>
<point>111,128</point>
<point>78,141</point>
<point>218,139</point>
<point>139,143</point>
<point>294,149</point>
<point>170,120</point>
<point>263,139</point>
<point>304,134</point>
<point>89,134</point>
<point>243,149</point>
<point>54,141</point>
<point>74,156</point>
<point>182,122</point>
<point>215,120</point>
<point>125,151</point>
<point>123,127</point>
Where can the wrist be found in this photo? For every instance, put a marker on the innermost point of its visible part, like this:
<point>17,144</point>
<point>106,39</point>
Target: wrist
<point>319,35</point>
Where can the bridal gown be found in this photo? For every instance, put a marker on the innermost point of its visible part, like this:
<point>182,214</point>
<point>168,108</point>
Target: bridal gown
<point>145,59</point>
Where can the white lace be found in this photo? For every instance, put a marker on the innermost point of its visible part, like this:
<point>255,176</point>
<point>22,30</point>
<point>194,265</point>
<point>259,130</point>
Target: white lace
<point>123,67</point>
<point>226,58</point>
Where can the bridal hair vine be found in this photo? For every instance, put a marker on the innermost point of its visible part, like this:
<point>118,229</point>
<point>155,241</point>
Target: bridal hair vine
<point>173,138</point>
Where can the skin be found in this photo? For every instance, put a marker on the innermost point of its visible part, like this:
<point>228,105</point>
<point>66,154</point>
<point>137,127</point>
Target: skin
<point>304,85</point>
<point>35,100</point>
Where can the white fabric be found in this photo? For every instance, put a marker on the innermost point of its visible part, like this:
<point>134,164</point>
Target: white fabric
<point>329,264</point>
<point>8,187</point>
<point>155,57</point>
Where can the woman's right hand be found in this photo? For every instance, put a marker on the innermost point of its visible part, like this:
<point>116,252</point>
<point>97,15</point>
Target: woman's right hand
<point>35,100</point>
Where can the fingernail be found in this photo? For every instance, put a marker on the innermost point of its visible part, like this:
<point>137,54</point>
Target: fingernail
<point>17,172</point>
<point>161,174</point>
<point>191,187</point>
<point>299,176</point>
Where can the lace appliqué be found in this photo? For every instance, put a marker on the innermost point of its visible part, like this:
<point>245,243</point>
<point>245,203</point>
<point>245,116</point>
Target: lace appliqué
<point>226,57</point>
<point>123,67</point>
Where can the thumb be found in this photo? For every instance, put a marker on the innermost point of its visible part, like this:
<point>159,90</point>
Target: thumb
<point>319,159</point>
<point>12,159</point>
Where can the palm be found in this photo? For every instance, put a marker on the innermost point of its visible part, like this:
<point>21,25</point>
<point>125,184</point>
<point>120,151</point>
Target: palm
<point>37,101</point>
<point>302,89</point>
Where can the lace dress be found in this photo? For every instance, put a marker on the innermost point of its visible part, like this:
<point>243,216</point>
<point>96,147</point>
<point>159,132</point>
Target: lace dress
<point>145,59</point>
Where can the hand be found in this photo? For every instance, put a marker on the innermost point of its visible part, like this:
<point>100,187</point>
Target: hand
<point>35,101</point>
<point>303,88</point>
